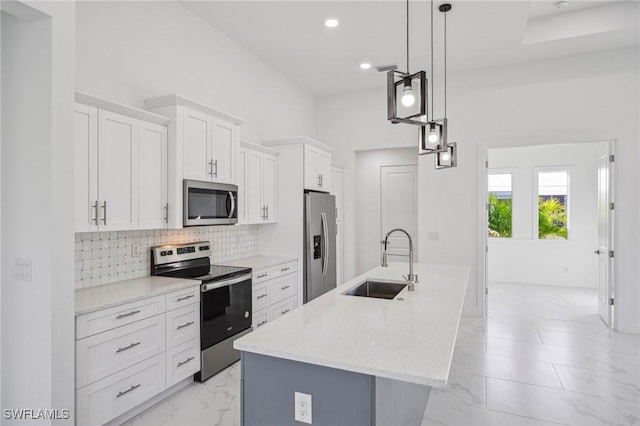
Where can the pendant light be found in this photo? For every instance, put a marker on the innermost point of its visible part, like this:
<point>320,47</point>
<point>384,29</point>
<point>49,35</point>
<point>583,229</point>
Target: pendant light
<point>411,89</point>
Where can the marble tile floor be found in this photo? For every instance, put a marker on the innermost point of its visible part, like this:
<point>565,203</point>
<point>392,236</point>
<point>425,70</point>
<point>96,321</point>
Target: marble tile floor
<point>541,357</point>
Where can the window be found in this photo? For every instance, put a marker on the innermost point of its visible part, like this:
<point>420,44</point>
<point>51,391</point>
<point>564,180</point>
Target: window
<point>500,205</point>
<point>553,202</point>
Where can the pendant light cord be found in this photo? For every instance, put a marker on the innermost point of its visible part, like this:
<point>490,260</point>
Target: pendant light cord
<point>432,94</point>
<point>407,36</point>
<point>445,65</point>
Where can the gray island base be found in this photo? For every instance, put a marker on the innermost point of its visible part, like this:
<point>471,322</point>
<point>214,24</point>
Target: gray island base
<point>339,397</point>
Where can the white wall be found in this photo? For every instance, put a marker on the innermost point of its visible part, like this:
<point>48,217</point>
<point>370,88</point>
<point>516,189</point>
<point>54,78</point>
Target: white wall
<point>37,219</point>
<point>129,51</point>
<point>368,202</point>
<point>524,258</point>
<point>568,100</point>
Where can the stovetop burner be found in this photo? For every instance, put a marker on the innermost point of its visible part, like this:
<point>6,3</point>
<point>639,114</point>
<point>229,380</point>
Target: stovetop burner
<point>191,260</point>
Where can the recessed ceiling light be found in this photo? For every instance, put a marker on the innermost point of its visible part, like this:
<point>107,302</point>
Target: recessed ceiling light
<point>331,23</point>
<point>365,65</point>
<point>562,4</point>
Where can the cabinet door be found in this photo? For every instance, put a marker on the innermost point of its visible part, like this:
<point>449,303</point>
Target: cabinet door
<point>269,187</point>
<point>255,211</point>
<point>336,189</point>
<point>86,168</point>
<point>324,170</point>
<point>197,160</point>
<point>311,174</point>
<point>241,179</point>
<point>117,171</point>
<point>224,148</point>
<point>152,201</point>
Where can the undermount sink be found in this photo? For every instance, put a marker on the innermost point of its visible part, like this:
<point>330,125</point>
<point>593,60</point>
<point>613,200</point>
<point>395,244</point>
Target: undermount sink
<point>376,288</point>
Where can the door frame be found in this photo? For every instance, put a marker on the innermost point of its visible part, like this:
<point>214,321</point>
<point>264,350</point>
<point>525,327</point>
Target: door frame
<point>482,294</point>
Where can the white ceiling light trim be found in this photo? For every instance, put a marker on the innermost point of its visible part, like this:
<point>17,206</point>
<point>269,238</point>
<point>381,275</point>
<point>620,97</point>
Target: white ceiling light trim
<point>331,23</point>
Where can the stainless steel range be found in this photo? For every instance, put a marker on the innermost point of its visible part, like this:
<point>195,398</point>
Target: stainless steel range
<point>225,300</point>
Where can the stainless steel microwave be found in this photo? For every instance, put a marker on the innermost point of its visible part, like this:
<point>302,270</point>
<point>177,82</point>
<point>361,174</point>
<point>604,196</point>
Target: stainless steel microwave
<point>208,203</point>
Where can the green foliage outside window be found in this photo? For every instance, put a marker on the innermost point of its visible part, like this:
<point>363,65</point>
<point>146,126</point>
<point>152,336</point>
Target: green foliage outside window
<point>552,219</point>
<point>499,217</point>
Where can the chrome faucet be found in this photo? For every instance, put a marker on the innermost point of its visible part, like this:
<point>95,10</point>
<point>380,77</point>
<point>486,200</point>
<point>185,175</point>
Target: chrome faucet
<point>411,279</point>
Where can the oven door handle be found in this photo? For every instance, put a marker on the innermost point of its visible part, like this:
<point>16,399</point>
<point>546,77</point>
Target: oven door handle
<point>212,286</point>
<point>233,204</point>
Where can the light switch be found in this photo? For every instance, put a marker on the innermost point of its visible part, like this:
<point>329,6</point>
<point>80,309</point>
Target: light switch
<point>22,269</point>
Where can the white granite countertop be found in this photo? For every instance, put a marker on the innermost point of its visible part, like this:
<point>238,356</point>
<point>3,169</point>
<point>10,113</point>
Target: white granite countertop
<point>259,262</point>
<point>103,296</point>
<point>409,340</point>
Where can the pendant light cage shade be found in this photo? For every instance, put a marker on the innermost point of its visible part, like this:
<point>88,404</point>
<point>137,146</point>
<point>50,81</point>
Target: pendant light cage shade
<point>433,137</point>
<point>447,158</point>
<point>401,89</point>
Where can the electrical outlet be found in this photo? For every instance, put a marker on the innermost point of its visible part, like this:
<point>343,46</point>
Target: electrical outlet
<point>136,250</point>
<point>433,236</point>
<point>22,269</point>
<point>302,403</point>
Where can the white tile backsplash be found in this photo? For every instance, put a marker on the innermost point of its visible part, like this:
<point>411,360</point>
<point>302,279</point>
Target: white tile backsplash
<point>105,257</point>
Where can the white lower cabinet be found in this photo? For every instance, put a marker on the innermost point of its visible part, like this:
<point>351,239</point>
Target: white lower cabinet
<point>274,293</point>
<point>127,354</point>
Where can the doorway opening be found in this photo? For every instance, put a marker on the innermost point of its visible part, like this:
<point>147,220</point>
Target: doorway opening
<point>549,239</point>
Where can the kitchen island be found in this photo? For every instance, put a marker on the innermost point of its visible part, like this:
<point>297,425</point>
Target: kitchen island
<point>363,360</point>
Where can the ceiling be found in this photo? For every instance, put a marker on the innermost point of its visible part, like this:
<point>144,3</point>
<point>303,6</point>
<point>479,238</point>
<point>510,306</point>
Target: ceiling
<point>291,36</point>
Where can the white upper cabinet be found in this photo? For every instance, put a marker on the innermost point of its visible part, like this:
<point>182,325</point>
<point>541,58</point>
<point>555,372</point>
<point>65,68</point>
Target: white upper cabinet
<point>241,165</point>
<point>258,184</point>
<point>120,167</point>
<point>203,145</point>
<point>224,148</point>
<point>152,193</point>
<point>197,145</point>
<point>117,171</point>
<point>269,187</point>
<point>317,169</point>
<point>86,168</point>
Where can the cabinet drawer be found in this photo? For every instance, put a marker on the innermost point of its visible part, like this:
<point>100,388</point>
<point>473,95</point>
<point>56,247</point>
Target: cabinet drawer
<point>183,361</point>
<point>261,275</point>
<point>184,297</point>
<point>114,350</point>
<point>107,319</point>
<point>282,308</point>
<point>260,318</point>
<point>287,268</point>
<point>282,288</point>
<point>182,325</point>
<point>260,296</point>
<point>106,399</point>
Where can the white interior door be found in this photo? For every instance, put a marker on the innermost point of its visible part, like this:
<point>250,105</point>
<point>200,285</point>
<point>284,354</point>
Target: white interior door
<point>399,209</point>
<point>605,240</point>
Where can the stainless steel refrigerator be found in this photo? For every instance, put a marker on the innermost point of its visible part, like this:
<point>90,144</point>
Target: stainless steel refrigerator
<point>319,244</point>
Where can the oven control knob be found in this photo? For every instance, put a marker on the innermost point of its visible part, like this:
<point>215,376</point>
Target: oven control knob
<point>246,314</point>
<point>170,252</point>
<point>163,253</point>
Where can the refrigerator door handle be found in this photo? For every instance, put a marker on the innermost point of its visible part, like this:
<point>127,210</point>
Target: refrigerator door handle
<point>325,254</point>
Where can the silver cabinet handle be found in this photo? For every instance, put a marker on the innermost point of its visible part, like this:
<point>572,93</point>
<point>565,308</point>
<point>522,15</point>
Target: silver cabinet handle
<point>210,163</point>
<point>186,324</point>
<point>215,163</point>
<point>166,213</point>
<point>597,252</point>
<point>320,181</point>
<point>104,210</point>
<point>133,387</point>
<point>262,275</point>
<point>137,311</point>
<point>261,296</point>
<point>133,345</point>
<point>180,299</point>
<point>285,287</point>
<point>181,363</point>
<point>95,211</point>
<point>267,212</point>
<point>261,323</point>
<point>285,311</point>
<point>284,269</point>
